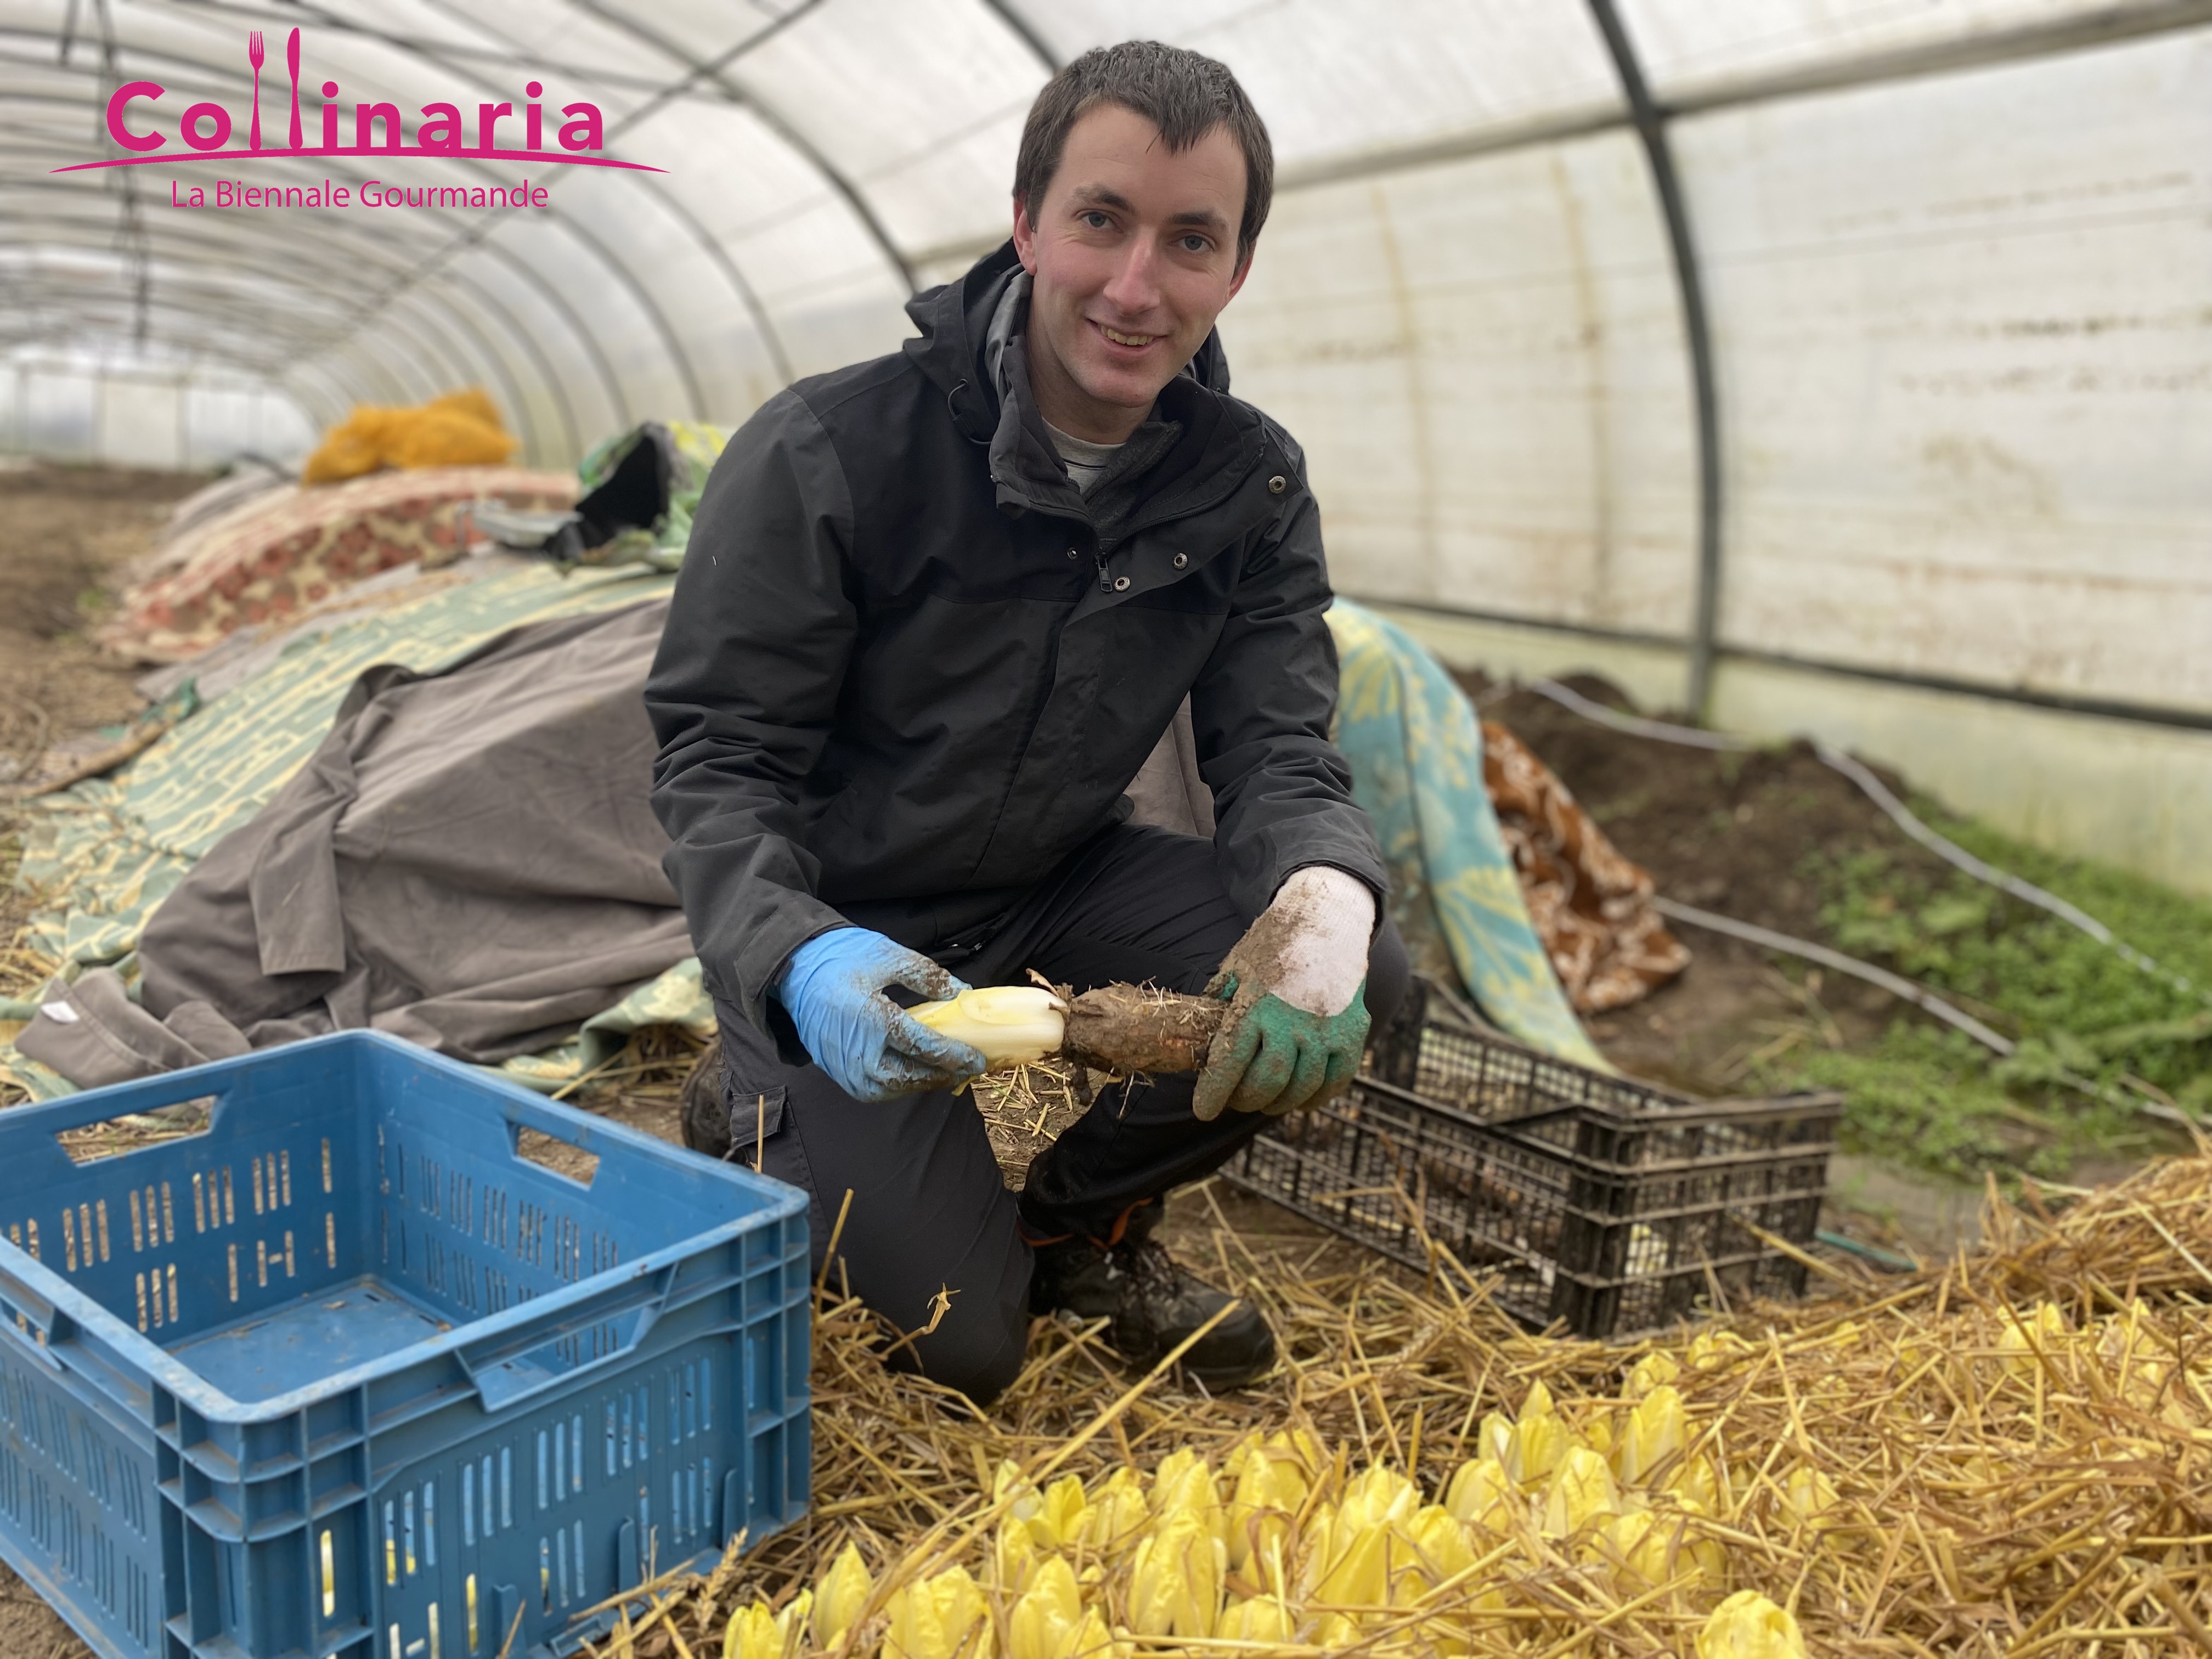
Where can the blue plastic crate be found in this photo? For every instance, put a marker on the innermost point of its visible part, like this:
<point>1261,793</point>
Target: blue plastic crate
<point>348,1373</point>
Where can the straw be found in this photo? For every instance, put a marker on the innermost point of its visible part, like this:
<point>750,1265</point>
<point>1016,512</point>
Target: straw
<point>2006,1480</point>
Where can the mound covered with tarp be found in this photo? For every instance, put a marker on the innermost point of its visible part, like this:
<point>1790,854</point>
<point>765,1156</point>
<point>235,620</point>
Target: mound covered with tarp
<point>102,856</point>
<point>467,861</point>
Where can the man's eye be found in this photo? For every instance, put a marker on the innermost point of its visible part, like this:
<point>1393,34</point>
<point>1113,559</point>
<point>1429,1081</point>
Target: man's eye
<point>1195,244</point>
<point>1094,219</point>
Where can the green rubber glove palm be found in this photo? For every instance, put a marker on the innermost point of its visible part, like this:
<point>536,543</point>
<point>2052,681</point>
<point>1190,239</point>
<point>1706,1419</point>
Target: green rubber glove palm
<point>1278,1058</point>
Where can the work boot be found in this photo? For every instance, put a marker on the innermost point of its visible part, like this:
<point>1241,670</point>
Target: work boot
<point>1153,1302</point>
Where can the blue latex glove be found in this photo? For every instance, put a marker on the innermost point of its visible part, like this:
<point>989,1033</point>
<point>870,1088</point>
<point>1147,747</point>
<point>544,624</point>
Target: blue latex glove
<point>873,1049</point>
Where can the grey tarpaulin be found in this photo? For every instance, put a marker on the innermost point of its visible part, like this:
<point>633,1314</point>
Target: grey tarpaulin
<point>468,861</point>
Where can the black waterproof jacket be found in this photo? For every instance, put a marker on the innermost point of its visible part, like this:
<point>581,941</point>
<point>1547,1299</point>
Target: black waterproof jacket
<point>909,669</point>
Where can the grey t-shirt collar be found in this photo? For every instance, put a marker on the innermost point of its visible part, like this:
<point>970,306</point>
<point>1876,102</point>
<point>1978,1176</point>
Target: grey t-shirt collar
<point>1086,462</point>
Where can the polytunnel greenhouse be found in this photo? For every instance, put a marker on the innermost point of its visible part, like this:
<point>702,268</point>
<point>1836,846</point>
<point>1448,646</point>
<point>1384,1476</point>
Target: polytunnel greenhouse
<point>564,585</point>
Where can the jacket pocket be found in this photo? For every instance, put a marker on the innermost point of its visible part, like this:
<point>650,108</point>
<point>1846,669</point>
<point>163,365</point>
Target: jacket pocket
<point>756,1116</point>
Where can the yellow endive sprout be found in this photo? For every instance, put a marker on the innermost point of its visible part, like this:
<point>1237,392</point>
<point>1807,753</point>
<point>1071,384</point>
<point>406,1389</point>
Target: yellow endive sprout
<point>1690,1546</point>
<point>1440,1552</point>
<point>749,1633</point>
<point>1293,1455</point>
<point>1117,1513</point>
<point>1657,1430</point>
<point>752,1633</point>
<point>1092,1640</point>
<point>1749,1626</point>
<point>1377,1495</point>
<point>2142,1367</point>
<point>1636,1547</point>
<point>1648,1373</point>
<point>1808,1495</point>
<point>941,1617</point>
<point>1537,1445</point>
<point>1043,1623</point>
<point>1495,1438</point>
<point>1300,1448</point>
<point>1258,1618</point>
<point>1695,1479</point>
<point>838,1599</point>
<point>1009,1486</point>
<point>1597,1433</point>
<point>1013,1556</point>
<point>1657,1547</point>
<point>1336,1632</point>
<point>1060,1518</point>
<point>1011,1025</point>
<point>1708,1349</point>
<point>1184,1480</point>
<point>1348,1562</point>
<point>2019,1340</point>
<point>1581,1494</point>
<point>1175,1578</point>
<point>1267,1497</point>
<point>1483,1495</point>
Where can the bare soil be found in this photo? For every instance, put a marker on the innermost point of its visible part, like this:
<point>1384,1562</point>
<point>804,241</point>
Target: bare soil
<point>63,530</point>
<point>1729,833</point>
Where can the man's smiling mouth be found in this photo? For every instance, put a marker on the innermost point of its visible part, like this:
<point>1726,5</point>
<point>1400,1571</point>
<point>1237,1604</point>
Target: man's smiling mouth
<point>1120,338</point>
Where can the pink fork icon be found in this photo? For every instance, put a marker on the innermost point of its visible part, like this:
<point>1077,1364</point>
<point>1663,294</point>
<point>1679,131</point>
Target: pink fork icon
<point>253,55</point>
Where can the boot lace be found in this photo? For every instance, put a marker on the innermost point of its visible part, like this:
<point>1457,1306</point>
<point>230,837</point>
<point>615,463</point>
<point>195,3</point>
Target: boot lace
<point>1154,1274</point>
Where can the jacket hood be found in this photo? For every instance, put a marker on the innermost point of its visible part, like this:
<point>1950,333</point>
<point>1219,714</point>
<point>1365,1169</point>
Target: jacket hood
<point>954,320</point>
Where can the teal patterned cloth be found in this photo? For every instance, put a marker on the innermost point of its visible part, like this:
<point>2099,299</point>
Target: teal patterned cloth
<point>1416,753</point>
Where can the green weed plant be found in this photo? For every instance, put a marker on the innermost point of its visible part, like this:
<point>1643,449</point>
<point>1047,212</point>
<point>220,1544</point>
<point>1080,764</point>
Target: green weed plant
<point>2080,1014</point>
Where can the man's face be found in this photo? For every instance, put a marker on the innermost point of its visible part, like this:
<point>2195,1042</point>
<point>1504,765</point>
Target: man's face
<point>1132,254</point>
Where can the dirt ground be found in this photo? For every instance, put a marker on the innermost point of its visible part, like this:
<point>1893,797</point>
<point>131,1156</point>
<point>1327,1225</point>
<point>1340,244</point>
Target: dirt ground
<point>1724,832</point>
<point>61,529</point>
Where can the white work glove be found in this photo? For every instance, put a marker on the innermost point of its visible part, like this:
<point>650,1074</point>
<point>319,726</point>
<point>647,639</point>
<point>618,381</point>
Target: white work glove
<point>1332,918</point>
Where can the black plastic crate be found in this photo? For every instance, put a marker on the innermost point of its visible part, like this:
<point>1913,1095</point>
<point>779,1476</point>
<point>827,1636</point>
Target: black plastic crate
<point>1600,1202</point>
<point>1443,1050</point>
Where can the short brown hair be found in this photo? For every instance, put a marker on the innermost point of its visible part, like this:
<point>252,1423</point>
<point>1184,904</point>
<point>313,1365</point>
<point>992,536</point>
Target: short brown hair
<point>1183,94</point>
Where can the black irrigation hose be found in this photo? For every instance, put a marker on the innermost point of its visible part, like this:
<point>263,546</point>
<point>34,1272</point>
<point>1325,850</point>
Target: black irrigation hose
<point>1873,788</point>
<point>1896,984</point>
<point>1907,990</point>
<point>1951,852</point>
<point>1888,1261</point>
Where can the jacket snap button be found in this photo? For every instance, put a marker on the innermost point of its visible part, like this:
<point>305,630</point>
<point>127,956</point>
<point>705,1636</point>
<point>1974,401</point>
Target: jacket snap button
<point>1071,553</point>
<point>1278,484</point>
<point>1121,584</point>
<point>1181,560</point>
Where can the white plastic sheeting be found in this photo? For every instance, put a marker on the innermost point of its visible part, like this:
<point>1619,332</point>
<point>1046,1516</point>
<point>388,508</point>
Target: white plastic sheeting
<point>1956,255</point>
<point>129,411</point>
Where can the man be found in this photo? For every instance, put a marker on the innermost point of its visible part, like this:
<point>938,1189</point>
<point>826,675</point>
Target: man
<point>936,610</point>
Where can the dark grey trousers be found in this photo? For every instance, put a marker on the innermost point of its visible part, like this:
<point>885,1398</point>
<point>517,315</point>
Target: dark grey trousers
<point>929,1208</point>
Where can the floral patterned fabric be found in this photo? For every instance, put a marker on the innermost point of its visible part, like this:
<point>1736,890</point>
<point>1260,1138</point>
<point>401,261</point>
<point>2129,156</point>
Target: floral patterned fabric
<point>280,554</point>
